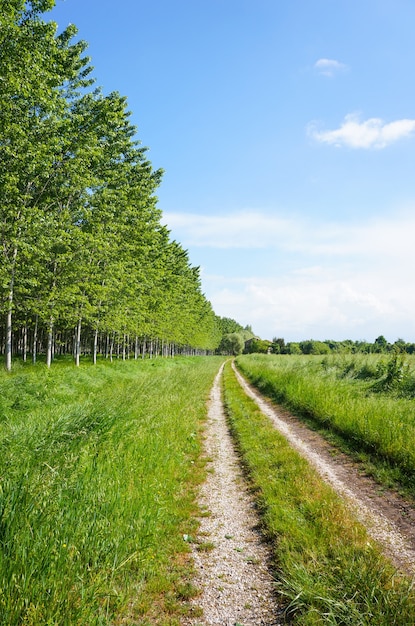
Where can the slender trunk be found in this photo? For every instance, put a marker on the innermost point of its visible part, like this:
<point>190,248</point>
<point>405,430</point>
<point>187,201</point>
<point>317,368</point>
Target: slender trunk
<point>34,349</point>
<point>112,346</point>
<point>123,347</point>
<point>136,348</point>
<point>94,352</point>
<point>49,348</point>
<point>78,342</point>
<point>9,329</point>
<point>24,353</point>
<point>8,346</point>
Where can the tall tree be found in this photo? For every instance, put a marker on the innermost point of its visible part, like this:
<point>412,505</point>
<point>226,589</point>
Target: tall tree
<point>35,66</point>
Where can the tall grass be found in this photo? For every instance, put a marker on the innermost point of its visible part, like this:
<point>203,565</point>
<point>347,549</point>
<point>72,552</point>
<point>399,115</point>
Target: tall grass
<point>343,396</point>
<point>97,472</point>
<point>327,570</point>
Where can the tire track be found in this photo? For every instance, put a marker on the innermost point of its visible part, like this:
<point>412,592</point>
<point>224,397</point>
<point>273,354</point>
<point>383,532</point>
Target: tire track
<point>233,574</point>
<point>389,519</point>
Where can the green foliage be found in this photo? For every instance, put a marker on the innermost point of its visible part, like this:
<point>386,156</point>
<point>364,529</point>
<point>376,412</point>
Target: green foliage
<point>82,243</point>
<point>231,344</point>
<point>314,347</point>
<point>327,570</point>
<point>311,346</point>
<point>98,470</point>
<point>258,345</point>
<point>342,395</point>
<point>228,325</point>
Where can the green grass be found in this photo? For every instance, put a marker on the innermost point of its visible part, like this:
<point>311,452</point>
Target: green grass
<point>327,570</point>
<point>98,470</point>
<point>355,399</point>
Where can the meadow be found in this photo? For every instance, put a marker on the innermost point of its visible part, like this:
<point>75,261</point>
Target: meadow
<point>98,471</point>
<point>327,569</point>
<point>365,403</point>
<point>100,468</point>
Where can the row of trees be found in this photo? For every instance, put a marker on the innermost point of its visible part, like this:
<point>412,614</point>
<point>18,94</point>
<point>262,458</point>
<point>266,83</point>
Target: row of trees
<point>86,264</point>
<point>311,346</point>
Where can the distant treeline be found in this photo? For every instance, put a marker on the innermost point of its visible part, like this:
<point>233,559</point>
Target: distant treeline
<point>237,339</point>
<point>311,346</point>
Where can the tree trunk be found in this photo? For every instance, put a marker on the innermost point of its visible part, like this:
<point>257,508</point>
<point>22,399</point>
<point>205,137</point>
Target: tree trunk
<point>112,346</point>
<point>94,351</point>
<point>8,346</point>
<point>24,351</point>
<point>34,349</point>
<point>49,348</point>
<point>78,342</point>
<point>9,329</point>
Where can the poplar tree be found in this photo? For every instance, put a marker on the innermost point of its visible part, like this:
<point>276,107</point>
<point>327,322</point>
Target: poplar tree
<point>84,254</point>
<point>35,65</point>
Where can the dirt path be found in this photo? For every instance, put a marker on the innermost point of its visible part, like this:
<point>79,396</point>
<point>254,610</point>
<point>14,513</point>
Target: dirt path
<point>389,519</point>
<point>230,559</point>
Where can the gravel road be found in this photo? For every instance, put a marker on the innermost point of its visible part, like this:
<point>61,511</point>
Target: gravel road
<point>236,583</point>
<point>231,561</point>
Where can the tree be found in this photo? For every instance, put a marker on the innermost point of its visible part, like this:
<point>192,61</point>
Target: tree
<point>258,346</point>
<point>380,344</point>
<point>231,343</point>
<point>36,66</point>
<point>84,255</point>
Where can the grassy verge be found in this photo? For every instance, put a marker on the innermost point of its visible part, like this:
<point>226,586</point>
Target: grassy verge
<point>97,473</point>
<point>327,569</point>
<point>378,428</point>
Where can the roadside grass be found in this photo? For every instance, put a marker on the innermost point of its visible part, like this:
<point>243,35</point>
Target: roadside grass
<point>327,569</point>
<point>362,403</point>
<point>98,472</point>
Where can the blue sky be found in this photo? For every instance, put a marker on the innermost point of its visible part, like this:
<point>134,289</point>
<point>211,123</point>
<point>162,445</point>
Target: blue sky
<point>287,134</point>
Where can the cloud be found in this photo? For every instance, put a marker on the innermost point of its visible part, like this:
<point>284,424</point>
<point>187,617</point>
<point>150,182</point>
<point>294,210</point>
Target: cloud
<point>245,229</point>
<point>372,133</point>
<point>332,303</point>
<point>382,237</point>
<point>320,280</point>
<point>329,67</point>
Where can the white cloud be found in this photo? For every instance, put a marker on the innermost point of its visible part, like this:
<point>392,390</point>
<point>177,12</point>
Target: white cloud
<point>245,229</point>
<point>372,133</point>
<point>383,237</point>
<point>329,67</point>
<point>320,280</point>
<point>334,304</point>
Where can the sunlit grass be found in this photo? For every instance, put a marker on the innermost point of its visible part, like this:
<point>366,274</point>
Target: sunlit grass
<point>327,570</point>
<point>341,396</point>
<point>98,469</point>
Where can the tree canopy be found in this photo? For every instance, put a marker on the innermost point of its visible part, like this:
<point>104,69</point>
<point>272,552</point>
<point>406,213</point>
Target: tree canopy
<point>86,264</point>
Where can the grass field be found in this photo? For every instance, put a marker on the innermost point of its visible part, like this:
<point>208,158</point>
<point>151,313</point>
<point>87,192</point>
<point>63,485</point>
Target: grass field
<point>98,467</point>
<point>328,571</point>
<point>365,401</point>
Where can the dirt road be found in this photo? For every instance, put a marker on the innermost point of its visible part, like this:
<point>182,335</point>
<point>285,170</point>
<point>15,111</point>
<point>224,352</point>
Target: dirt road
<point>389,519</point>
<point>231,561</point>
